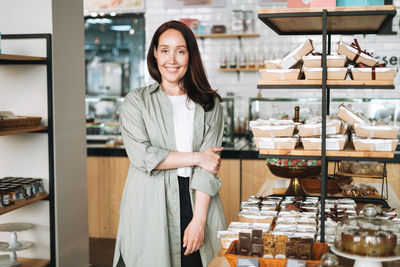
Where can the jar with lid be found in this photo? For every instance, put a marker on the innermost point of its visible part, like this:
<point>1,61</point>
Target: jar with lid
<point>248,18</point>
<point>232,58</point>
<point>251,59</point>
<point>18,192</point>
<point>367,235</point>
<point>28,189</point>
<point>237,21</point>
<point>6,196</point>
<point>223,59</point>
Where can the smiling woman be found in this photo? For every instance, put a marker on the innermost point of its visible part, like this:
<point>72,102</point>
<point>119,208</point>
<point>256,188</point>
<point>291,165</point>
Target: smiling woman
<point>172,132</point>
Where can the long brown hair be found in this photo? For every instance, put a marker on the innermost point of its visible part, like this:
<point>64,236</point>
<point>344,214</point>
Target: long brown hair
<point>194,83</point>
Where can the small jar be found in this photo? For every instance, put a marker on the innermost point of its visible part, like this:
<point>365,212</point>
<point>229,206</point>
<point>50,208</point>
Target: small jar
<point>40,185</point>
<point>6,196</point>
<point>28,189</point>
<point>35,184</point>
<point>19,191</point>
<point>13,195</point>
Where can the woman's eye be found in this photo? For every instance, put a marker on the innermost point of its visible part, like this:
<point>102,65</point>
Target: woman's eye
<point>181,52</point>
<point>164,51</point>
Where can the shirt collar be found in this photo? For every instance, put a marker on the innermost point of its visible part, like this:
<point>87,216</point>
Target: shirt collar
<point>154,87</point>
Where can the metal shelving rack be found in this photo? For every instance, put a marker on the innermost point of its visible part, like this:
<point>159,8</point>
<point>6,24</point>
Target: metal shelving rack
<point>49,130</point>
<point>325,22</point>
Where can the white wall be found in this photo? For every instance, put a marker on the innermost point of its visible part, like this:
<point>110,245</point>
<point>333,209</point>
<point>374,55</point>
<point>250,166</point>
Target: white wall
<point>23,90</point>
<point>275,46</point>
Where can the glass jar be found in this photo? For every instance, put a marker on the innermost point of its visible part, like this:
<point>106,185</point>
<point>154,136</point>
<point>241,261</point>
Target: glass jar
<point>367,235</point>
<point>248,21</point>
<point>28,189</point>
<point>6,196</point>
<point>237,21</point>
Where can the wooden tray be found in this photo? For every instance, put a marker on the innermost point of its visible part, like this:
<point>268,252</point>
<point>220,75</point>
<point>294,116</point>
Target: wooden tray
<point>20,122</point>
<point>319,250</point>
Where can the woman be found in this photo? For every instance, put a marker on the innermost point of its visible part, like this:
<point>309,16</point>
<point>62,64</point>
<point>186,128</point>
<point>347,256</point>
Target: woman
<point>172,130</point>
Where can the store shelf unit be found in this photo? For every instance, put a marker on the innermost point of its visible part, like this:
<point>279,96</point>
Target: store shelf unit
<point>317,21</point>
<point>49,130</point>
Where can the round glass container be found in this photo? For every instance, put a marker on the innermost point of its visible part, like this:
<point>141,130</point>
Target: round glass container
<point>367,235</point>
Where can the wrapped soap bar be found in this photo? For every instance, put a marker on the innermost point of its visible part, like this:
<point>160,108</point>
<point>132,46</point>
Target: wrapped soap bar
<point>351,117</point>
<point>257,236</point>
<point>292,248</point>
<point>376,131</point>
<point>381,145</point>
<point>280,246</point>
<point>315,129</point>
<point>354,53</point>
<point>257,250</point>
<point>378,74</point>
<point>226,238</point>
<point>296,55</point>
<point>332,61</point>
<point>305,248</point>
<point>244,244</point>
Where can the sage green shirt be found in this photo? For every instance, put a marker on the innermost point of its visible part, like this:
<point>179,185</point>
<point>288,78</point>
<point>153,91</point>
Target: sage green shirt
<point>149,225</point>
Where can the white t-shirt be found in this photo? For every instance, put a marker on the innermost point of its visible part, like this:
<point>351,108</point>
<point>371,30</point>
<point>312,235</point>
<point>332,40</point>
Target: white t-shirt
<point>183,114</point>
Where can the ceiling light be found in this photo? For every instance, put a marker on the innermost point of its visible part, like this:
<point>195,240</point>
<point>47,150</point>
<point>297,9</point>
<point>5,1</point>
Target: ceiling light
<point>121,28</point>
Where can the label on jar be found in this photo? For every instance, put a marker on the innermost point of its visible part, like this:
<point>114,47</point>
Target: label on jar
<point>6,200</point>
<point>15,196</point>
<point>28,190</point>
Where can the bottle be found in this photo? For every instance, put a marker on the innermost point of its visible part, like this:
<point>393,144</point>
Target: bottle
<point>223,60</point>
<point>296,117</point>
<point>232,58</point>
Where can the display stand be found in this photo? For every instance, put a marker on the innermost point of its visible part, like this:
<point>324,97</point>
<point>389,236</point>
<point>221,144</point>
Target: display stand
<point>15,245</point>
<point>16,60</point>
<point>327,21</point>
<point>364,261</point>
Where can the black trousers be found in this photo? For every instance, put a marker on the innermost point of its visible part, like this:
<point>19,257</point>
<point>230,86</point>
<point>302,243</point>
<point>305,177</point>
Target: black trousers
<point>191,260</point>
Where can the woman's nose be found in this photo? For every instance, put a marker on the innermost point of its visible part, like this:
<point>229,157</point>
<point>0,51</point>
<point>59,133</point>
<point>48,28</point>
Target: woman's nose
<point>172,58</point>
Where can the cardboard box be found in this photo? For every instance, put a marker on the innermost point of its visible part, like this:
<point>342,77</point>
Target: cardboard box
<point>272,64</point>
<point>296,55</point>
<point>380,73</point>
<point>310,3</point>
<point>280,74</point>
<point>332,127</point>
<point>350,117</point>
<point>333,73</point>
<point>332,61</point>
<point>332,143</point>
<point>382,145</point>
<point>376,131</point>
<point>360,2</point>
<point>273,130</point>
<point>276,143</point>
<point>351,53</point>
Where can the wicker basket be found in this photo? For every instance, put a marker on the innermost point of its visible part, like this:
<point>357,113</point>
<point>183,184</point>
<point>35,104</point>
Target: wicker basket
<point>318,250</point>
<point>20,122</point>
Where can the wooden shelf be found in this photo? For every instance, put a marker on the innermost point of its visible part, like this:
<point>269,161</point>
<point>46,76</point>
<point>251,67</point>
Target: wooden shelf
<point>340,20</point>
<point>8,57</point>
<point>227,35</point>
<point>335,84</point>
<point>347,152</point>
<point>358,175</point>
<point>239,69</point>
<point>23,203</point>
<point>26,262</point>
<point>22,130</point>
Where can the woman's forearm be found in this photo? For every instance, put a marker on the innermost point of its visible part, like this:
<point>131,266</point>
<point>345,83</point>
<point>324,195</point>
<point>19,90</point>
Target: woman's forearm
<point>202,202</point>
<point>179,160</point>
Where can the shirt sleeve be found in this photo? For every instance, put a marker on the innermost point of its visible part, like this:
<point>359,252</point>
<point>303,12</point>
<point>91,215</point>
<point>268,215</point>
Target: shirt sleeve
<point>141,153</point>
<point>203,180</point>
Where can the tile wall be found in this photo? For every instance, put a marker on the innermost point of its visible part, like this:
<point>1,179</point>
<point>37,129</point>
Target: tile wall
<point>243,85</point>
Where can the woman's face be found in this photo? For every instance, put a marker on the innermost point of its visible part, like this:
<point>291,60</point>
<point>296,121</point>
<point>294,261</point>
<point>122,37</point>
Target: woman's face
<point>172,56</point>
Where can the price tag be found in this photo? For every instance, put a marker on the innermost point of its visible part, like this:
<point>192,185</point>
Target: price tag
<point>247,262</point>
<point>296,263</point>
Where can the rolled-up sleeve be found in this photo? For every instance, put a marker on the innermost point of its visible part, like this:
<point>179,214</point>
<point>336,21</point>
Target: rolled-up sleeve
<point>203,180</point>
<point>141,153</point>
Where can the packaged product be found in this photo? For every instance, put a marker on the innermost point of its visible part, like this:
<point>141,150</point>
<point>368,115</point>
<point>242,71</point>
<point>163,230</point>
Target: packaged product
<point>280,74</point>
<point>354,53</point>
<point>373,73</point>
<point>311,128</point>
<point>332,61</point>
<point>351,117</point>
<point>381,145</point>
<point>296,55</point>
<point>376,131</point>
<point>332,73</point>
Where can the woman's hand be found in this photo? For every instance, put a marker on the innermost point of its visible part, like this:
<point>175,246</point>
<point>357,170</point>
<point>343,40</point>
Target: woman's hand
<point>194,236</point>
<point>209,160</point>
